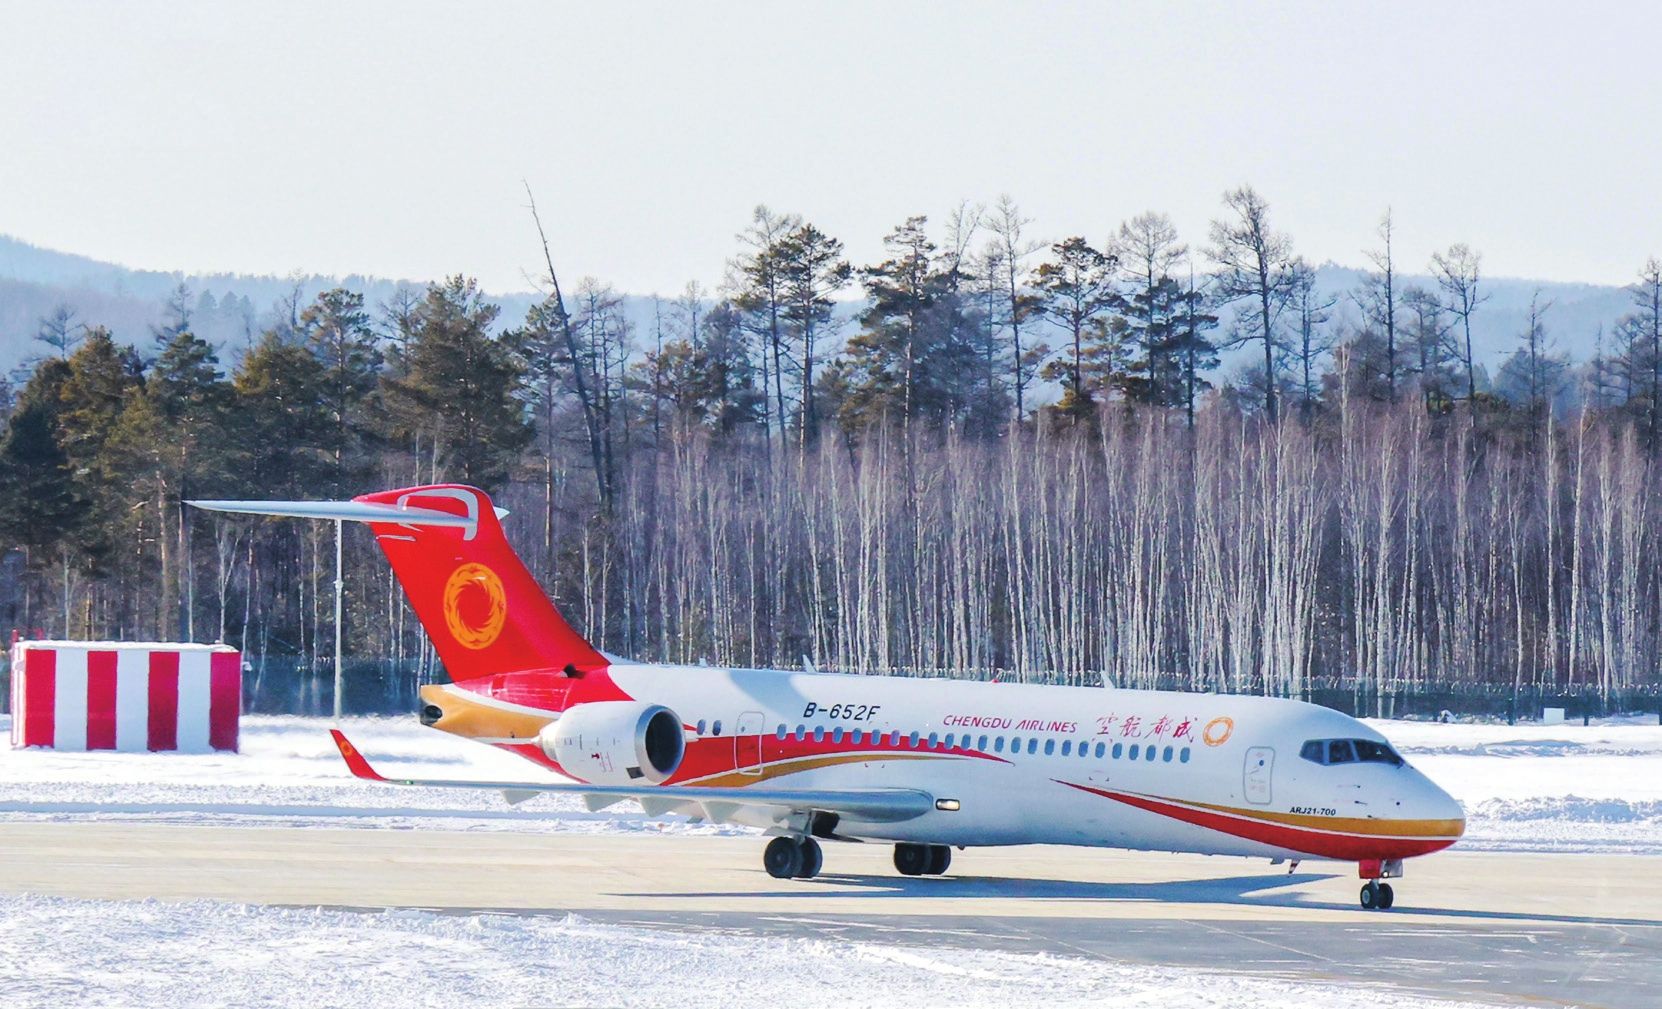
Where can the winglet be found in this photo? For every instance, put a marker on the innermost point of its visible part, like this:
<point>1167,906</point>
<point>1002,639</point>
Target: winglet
<point>355,761</point>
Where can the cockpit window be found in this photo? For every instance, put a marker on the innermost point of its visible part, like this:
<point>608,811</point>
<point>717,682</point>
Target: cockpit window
<point>1347,751</point>
<point>1369,751</point>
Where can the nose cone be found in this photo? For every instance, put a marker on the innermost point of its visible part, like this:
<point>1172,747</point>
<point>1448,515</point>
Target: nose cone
<point>1443,808</point>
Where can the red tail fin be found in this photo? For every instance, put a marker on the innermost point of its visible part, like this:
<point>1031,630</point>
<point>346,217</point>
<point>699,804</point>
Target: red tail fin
<point>482,609</point>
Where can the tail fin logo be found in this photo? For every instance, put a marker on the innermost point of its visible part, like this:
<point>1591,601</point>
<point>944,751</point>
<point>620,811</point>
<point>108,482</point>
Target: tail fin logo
<point>479,590</point>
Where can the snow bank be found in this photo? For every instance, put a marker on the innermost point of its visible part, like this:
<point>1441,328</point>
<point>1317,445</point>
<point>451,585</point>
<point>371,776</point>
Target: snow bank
<point>58,952</point>
<point>1535,787</point>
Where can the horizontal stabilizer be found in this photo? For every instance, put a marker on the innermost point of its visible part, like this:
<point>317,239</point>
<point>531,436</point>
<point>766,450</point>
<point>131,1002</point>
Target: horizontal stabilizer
<point>340,511</point>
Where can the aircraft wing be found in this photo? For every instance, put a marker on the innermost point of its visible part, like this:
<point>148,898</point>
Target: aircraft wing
<point>873,805</point>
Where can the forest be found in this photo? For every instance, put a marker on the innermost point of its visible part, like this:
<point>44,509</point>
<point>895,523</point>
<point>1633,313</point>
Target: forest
<point>1143,461</point>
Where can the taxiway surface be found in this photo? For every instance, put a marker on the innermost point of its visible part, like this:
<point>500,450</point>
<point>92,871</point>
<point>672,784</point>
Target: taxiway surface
<point>1504,928</point>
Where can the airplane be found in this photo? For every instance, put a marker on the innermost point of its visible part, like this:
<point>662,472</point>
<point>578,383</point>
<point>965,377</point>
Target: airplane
<point>927,764</point>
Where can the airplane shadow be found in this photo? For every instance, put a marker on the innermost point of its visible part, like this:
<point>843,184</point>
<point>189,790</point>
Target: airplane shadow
<point>1247,890</point>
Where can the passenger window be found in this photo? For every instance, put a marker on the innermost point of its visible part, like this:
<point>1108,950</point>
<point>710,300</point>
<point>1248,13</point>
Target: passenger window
<point>912,741</point>
<point>1183,755</point>
<point>1339,751</point>
<point>1032,746</point>
<point>933,741</point>
<point>1314,751</point>
<point>819,733</point>
<point>837,734</point>
<point>1148,752</point>
<point>702,725</point>
<point>1015,744</point>
<point>715,730</point>
<point>1067,747</point>
<point>981,744</point>
<point>949,740</point>
<point>1050,747</point>
<point>1134,749</point>
<point>781,732</point>
<point>1119,748</point>
<point>998,744</point>
<point>894,738</point>
<point>1165,755</point>
<point>855,736</point>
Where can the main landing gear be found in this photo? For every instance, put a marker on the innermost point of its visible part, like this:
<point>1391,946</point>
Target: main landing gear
<point>793,858</point>
<point>922,859</point>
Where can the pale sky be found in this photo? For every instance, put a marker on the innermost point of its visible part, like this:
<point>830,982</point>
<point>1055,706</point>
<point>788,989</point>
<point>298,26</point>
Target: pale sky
<point>392,138</point>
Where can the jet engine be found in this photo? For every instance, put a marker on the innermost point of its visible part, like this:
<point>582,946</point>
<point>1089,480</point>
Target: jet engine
<point>616,742</point>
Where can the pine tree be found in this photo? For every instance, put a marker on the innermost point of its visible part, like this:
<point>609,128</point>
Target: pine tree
<point>885,364</point>
<point>1076,288</point>
<point>1148,250</point>
<point>1192,348</point>
<point>61,331</point>
<point>1459,274</point>
<point>1640,332</point>
<point>288,431</point>
<point>812,270</point>
<point>758,291</point>
<point>38,503</point>
<point>460,383</point>
<point>337,330</point>
<point>100,377</point>
<point>1311,312</point>
<point>1254,265</point>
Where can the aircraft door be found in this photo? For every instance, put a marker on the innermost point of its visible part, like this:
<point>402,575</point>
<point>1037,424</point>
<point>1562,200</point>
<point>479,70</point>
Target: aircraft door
<point>1260,762</point>
<point>747,743</point>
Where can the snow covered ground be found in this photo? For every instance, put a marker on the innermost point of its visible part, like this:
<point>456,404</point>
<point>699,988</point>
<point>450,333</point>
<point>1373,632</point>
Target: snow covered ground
<point>289,772</point>
<point>1525,787</point>
<point>56,952</point>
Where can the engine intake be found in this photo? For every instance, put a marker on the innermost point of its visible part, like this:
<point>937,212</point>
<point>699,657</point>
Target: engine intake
<point>616,742</point>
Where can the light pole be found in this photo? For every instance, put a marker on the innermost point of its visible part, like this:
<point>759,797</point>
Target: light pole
<point>340,585</point>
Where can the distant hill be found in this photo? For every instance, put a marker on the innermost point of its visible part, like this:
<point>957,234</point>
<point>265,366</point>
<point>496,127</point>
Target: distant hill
<point>229,308</point>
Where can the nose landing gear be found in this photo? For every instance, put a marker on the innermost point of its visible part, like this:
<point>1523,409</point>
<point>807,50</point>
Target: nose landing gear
<point>1377,896</point>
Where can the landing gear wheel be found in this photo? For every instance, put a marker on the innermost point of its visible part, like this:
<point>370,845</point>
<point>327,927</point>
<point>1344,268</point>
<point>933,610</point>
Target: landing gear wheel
<point>940,856</point>
<point>1370,896</point>
<point>913,859</point>
<point>1386,897</point>
<point>812,859</point>
<point>783,858</point>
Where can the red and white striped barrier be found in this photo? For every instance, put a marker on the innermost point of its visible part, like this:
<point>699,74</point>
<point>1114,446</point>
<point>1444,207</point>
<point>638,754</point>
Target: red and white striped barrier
<point>129,696</point>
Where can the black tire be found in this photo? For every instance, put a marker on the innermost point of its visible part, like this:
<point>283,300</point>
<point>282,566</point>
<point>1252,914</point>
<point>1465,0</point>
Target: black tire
<point>1386,897</point>
<point>912,859</point>
<point>782,858</point>
<point>1370,896</point>
<point>940,858</point>
<point>812,859</point>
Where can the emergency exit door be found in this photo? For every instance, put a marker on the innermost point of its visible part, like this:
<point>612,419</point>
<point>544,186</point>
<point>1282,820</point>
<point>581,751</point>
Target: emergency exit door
<point>747,743</point>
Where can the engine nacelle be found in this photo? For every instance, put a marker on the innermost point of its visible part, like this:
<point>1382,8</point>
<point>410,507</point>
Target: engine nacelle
<point>616,742</point>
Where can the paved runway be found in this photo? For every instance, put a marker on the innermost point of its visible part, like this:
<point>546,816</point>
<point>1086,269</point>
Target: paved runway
<point>1502,928</point>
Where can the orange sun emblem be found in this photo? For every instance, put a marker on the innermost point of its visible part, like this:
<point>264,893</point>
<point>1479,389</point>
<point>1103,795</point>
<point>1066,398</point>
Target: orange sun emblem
<point>487,606</point>
<point>1218,730</point>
